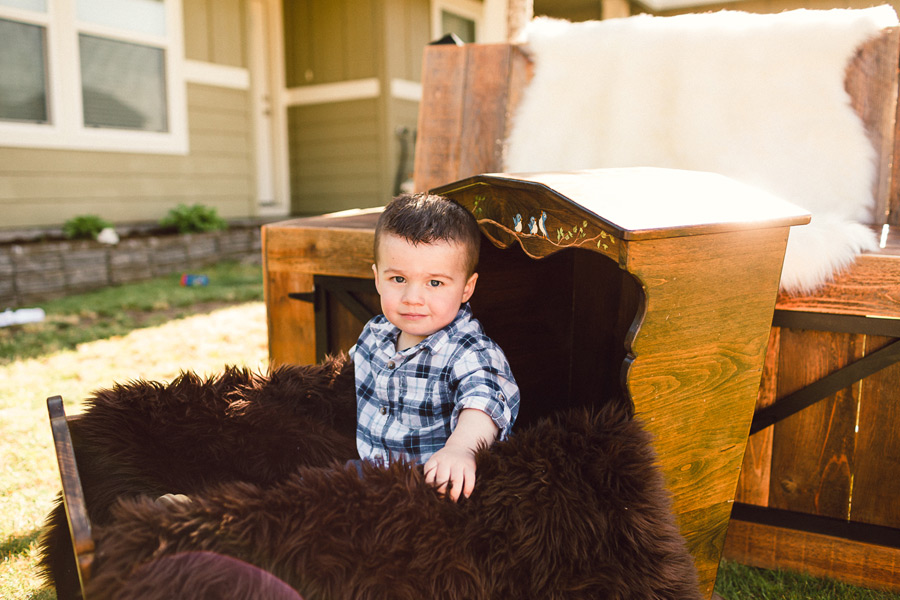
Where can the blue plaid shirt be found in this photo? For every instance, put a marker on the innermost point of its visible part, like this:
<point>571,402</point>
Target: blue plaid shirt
<point>408,402</point>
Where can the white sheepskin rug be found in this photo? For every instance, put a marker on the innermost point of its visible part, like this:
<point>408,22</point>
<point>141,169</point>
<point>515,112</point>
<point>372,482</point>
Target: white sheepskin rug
<point>759,98</point>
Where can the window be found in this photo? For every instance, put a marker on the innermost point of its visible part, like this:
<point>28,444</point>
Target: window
<point>464,28</point>
<point>92,75</point>
<point>462,17</point>
<point>23,86</point>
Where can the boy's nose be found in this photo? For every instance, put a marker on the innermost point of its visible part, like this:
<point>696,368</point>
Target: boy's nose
<point>412,296</point>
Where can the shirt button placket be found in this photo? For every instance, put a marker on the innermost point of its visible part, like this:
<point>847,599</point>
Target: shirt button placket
<point>391,365</point>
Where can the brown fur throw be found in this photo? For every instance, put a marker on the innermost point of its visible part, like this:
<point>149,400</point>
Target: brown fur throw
<point>567,508</point>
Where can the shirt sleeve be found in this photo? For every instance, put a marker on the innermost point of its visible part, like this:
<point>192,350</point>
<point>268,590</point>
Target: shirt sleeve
<point>484,381</point>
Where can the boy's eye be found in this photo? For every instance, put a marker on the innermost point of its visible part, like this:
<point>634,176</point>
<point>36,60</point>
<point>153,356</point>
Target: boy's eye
<point>435,283</point>
<point>398,279</point>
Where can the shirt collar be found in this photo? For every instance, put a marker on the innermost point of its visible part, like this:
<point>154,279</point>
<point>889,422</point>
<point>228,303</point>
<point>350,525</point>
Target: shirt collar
<point>433,343</point>
<point>438,339</point>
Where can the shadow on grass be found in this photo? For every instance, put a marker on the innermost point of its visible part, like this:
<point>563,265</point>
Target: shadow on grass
<point>18,544</point>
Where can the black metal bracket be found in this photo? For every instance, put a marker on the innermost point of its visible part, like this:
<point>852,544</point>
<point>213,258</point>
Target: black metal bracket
<point>303,296</point>
<point>840,379</point>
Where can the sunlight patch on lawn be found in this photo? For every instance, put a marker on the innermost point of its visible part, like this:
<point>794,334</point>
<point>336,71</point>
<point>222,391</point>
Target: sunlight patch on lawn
<point>29,480</point>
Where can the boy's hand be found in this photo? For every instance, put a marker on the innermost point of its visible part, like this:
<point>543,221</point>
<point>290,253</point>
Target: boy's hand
<point>453,466</point>
<point>452,469</point>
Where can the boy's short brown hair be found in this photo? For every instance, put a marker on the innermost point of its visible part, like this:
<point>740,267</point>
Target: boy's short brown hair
<point>425,219</point>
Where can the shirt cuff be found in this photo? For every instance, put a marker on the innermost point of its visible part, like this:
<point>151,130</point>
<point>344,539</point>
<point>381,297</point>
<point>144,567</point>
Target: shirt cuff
<point>495,406</point>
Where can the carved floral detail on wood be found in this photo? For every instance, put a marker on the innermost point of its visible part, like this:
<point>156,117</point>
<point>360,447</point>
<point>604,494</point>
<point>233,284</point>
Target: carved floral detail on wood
<point>539,227</point>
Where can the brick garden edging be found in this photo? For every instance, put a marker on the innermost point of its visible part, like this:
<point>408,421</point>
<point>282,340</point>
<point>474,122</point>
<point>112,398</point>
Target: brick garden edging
<point>31,272</point>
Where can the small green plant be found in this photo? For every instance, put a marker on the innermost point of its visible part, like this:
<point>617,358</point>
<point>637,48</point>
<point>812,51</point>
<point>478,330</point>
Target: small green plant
<point>84,227</point>
<point>194,219</point>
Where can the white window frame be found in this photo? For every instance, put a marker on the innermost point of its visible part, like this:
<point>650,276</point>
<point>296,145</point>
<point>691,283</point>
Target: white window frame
<point>66,128</point>
<point>468,9</point>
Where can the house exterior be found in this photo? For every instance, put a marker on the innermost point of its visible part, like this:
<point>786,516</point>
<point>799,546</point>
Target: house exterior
<point>259,108</point>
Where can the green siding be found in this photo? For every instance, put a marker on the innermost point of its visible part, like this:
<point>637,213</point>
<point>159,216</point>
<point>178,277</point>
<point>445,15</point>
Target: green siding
<point>216,31</point>
<point>335,159</point>
<point>330,40</point>
<point>346,154</point>
<point>43,188</point>
<point>408,25</point>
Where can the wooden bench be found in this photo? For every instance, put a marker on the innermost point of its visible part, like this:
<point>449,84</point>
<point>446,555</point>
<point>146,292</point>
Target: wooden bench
<point>817,491</point>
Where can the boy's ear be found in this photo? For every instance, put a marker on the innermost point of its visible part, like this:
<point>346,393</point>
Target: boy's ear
<point>377,283</point>
<point>470,287</point>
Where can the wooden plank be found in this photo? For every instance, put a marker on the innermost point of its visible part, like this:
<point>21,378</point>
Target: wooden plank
<point>469,96</point>
<point>484,110</point>
<point>698,356</point>
<point>870,288</point>
<point>326,251</point>
<point>753,484</point>
<point>291,323</point>
<point>876,487</point>
<point>816,480</point>
<point>871,81</point>
<point>771,547</point>
<point>440,116</point>
<point>707,529</point>
<point>73,494</point>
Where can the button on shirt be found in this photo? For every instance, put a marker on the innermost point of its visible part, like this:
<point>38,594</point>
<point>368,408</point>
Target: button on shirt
<point>408,402</point>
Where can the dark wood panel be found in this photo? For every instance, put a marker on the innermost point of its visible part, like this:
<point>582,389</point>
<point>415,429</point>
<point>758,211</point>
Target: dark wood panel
<point>813,450</point>
<point>756,470</point>
<point>876,485</point>
<point>525,306</point>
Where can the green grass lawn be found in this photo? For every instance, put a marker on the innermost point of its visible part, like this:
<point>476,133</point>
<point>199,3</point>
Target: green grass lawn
<point>119,309</point>
<point>152,330</point>
<point>739,582</point>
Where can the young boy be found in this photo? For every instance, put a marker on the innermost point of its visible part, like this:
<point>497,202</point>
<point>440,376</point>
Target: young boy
<point>430,386</point>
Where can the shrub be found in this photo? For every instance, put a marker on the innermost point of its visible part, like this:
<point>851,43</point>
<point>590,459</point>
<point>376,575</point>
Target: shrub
<point>194,219</point>
<point>84,227</point>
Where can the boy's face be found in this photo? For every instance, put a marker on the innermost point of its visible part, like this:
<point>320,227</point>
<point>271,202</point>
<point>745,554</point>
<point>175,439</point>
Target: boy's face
<point>421,286</point>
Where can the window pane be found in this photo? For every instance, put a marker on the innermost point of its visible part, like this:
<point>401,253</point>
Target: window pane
<point>23,88</point>
<point>461,26</point>
<point>142,16</point>
<point>35,5</point>
<point>123,85</point>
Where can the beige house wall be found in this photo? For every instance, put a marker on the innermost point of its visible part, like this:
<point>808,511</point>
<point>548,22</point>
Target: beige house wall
<point>45,187</point>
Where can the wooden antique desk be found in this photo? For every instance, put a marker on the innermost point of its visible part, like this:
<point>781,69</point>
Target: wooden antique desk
<point>662,281</point>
